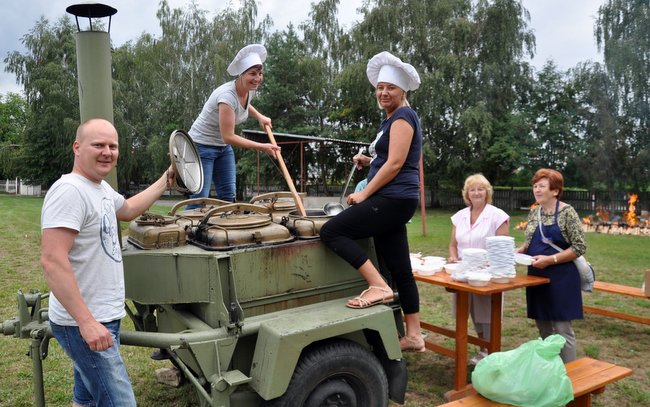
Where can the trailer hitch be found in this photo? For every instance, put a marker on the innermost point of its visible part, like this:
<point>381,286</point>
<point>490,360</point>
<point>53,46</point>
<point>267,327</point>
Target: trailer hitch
<point>32,323</point>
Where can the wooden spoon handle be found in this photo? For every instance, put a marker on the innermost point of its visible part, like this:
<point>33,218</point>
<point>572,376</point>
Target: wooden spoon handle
<point>285,172</point>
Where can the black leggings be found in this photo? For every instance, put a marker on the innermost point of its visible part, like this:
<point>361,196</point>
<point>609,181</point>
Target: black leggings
<point>383,219</point>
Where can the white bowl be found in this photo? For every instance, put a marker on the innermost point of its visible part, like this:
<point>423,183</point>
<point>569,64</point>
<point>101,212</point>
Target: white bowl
<point>451,268</point>
<point>501,280</point>
<point>477,283</point>
<point>429,269</point>
<point>521,258</point>
<point>477,279</point>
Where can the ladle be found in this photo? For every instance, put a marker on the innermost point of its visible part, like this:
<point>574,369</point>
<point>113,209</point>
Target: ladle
<point>334,208</point>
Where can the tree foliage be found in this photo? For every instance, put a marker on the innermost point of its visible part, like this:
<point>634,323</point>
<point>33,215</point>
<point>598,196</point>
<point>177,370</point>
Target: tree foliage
<point>482,107</point>
<point>14,116</point>
<point>622,31</point>
<point>48,75</point>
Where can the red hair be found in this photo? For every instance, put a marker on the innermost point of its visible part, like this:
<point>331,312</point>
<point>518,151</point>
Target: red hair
<point>555,179</point>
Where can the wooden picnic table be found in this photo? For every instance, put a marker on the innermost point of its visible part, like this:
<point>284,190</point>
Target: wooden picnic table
<point>612,288</point>
<point>460,334</point>
<point>588,376</point>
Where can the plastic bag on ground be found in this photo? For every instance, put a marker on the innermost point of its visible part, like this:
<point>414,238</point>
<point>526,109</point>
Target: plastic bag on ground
<point>532,375</point>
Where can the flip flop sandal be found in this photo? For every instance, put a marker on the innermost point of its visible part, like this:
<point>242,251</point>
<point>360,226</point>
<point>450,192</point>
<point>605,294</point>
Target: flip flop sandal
<point>363,303</point>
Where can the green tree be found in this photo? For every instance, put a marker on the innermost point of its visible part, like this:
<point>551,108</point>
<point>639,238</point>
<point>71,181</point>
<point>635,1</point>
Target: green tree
<point>621,32</point>
<point>553,121</point>
<point>14,116</point>
<point>47,72</point>
<point>604,163</point>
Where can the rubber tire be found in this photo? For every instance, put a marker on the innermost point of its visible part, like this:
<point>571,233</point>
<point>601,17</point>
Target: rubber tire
<point>339,373</point>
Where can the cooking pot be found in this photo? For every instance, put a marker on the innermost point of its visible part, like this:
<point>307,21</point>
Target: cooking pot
<point>280,203</point>
<point>194,215</point>
<point>238,225</point>
<point>151,231</point>
<point>307,227</point>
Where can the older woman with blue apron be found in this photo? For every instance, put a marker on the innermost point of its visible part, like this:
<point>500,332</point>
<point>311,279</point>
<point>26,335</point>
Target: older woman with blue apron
<point>554,305</point>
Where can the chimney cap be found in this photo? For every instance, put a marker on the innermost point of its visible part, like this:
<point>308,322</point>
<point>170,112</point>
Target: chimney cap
<point>91,10</point>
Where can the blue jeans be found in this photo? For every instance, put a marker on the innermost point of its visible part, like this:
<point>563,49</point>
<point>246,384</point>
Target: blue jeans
<point>219,167</point>
<point>100,378</point>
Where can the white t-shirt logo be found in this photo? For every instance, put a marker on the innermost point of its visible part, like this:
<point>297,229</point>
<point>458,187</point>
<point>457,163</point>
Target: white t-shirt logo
<point>108,232</point>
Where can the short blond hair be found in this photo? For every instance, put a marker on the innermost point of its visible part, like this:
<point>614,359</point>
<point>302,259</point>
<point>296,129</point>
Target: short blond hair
<point>477,179</point>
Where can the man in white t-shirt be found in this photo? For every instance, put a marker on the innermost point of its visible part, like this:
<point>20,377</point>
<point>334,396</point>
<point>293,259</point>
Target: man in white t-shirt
<point>82,261</point>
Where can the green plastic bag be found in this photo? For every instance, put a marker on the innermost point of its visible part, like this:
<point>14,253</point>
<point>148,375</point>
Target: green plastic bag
<point>531,375</point>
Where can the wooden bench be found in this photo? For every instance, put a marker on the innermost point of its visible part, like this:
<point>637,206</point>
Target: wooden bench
<point>588,376</point>
<point>621,290</point>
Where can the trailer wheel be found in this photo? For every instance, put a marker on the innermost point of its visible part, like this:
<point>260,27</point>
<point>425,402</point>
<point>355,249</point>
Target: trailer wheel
<point>340,373</point>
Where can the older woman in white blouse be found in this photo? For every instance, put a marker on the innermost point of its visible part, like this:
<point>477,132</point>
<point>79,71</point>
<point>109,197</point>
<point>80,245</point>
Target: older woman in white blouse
<point>471,225</point>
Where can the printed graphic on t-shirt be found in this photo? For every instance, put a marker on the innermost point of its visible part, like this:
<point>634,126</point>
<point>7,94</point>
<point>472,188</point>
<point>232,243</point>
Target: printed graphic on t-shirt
<point>108,231</point>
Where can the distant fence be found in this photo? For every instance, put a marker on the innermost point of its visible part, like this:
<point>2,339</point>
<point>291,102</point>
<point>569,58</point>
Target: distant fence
<point>615,202</point>
<point>17,187</point>
<point>582,201</point>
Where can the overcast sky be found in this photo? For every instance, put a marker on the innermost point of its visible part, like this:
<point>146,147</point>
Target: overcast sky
<point>563,28</point>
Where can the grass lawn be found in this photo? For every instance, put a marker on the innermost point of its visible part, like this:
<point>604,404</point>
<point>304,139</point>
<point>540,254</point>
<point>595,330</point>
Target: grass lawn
<point>617,259</point>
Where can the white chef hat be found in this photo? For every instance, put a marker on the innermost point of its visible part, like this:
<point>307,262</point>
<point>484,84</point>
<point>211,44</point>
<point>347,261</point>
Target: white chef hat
<point>250,55</point>
<point>386,67</point>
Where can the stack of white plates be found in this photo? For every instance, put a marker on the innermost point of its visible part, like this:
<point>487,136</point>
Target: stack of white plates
<point>474,260</point>
<point>501,257</point>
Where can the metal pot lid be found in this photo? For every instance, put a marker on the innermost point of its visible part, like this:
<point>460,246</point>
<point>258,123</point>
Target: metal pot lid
<point>149,218</point>
<point>237,216</point>
<point>240,221</point>
<point>186,163</point>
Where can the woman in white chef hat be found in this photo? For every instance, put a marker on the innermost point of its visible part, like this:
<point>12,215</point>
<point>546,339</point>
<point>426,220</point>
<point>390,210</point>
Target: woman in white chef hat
<point>213,131</point>
<point>389,200</point>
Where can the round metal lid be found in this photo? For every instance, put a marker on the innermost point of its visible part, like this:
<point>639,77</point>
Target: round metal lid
<point>153,219</point>
<point>240,221</point>
<point>185,162</point>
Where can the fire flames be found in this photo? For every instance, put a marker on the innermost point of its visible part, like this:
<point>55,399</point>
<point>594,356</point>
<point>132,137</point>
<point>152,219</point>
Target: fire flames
<point>629,217</point>
<point>521,225</point>
<point>628,223</point>
<point>603,221</point>
<point>602,214</point>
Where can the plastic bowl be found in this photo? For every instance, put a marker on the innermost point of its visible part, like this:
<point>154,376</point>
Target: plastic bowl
<point>478,279</point>
<point>428,269</point>
<point>451,268</point>
<point>415,264</point>
<point>434,259</point>
<point>521,258</point>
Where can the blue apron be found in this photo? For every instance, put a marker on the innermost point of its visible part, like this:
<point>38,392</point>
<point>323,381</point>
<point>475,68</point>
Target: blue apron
<point>561,299</point>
